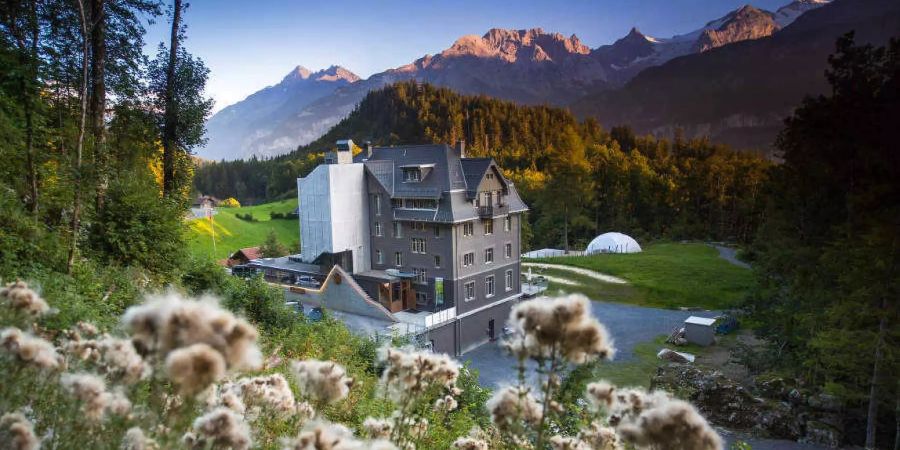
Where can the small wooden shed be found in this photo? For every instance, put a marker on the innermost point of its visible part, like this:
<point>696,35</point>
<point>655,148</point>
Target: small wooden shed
<point>700,330</point>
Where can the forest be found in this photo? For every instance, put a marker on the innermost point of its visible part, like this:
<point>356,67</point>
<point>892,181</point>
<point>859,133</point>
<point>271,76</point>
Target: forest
<point>607,180</point>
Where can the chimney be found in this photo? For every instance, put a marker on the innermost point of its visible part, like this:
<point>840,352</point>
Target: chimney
<point>368,149</point>
<point>461,148</point>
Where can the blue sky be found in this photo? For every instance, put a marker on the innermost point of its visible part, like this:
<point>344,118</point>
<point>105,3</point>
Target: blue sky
<point>252,44</point>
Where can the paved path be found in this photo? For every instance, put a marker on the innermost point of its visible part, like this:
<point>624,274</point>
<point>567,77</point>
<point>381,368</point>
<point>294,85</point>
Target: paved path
<point>729,254</point>
<point>579,270</point>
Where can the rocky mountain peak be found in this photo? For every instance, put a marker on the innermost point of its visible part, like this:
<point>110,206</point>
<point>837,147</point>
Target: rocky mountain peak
<point>335,73</point>
<point>747,22</point>
<point>297,73</point>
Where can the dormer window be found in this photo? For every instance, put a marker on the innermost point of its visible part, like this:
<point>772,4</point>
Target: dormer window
<point>412,175</point>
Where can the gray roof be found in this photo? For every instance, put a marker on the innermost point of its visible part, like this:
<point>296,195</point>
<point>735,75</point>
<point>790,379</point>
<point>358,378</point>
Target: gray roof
<point>286,263</point>
<point>451,180</point>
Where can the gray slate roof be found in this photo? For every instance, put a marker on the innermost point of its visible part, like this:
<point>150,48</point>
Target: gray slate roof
<point>451,180</point>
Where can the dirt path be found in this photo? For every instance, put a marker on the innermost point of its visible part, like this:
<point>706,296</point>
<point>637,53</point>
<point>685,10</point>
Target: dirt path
<point>560,280</point>
<point>729,254</point>
<point>586,272</point>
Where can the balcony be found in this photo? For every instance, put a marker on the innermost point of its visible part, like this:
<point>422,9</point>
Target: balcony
<point>489,211</point>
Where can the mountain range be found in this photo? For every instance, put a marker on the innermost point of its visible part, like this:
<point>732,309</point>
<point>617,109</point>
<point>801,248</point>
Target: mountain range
<point>526,66</point>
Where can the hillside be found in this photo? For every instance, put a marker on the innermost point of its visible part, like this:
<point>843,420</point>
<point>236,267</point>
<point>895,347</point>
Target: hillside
<point>232,233</point>
<point>717,93</point>
<point>620,181</point>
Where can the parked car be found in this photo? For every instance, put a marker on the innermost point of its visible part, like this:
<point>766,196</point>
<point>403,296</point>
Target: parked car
<point>307,281</point>
<point>316,314</point>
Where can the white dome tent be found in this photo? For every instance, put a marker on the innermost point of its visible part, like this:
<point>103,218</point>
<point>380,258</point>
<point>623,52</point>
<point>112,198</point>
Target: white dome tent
<point>613,242</point>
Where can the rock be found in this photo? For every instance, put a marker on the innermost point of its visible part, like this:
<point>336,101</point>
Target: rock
<point>821,433</point>
<point>824,402</point>
<point>675,357</point>
<point>795,397</point>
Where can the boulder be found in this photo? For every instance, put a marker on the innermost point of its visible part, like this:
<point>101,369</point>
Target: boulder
<point>821,433</point>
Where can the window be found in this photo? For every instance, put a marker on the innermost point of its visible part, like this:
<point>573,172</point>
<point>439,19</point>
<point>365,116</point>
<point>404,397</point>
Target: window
<point>488,255</point>
<point>487,199</point>
<point>379,258</point>
<point>509,280</point>
<point>418,226</point>
<point>507,223</point>
<point>469,259</point>
<point>378,231</point>
<point>377,205</point>
<point>398,229</point>
<point>398,258</point>
<point>489,286</point>
<point>421,203</point>
<point>418,245</point>
<point>420,275</point>
<point>437,261</point>
<point>488,226</point>
<point>489,176</point>
<point>468,228</point>
<point>421,298</point>
<point>412,174</point>
<point>396,203</point>
<point>437,231</point>
<point>507,250</point>
<point>470,290</point>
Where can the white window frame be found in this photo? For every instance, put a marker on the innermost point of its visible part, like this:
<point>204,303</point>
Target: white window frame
<point>468,259</point>
<point>398,229</point>
<point>507,250</point>
<point>490,287</point>
<point>488,225</point>
<point>467,287</point>
<point>421,275</point>
<point>379,257</point>
<point>507,223</point>
<point>398,259</point>
<point>489,251</point>
<point>437,261</point>
<point>509,280</point>
<point>437,231</point>
<point>468,228</point>
<point>378,231</point>
<point>377,204</point>
<point>418,245</point>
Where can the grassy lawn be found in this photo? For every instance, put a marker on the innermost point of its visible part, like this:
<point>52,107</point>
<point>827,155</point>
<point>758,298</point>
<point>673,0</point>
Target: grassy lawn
<point>639,370</point>
<point>667,275</point>
<point>233,233</point>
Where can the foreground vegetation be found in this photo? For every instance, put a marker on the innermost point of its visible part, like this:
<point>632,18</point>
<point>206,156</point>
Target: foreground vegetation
<point>233,233</point>
<point>666,275</point>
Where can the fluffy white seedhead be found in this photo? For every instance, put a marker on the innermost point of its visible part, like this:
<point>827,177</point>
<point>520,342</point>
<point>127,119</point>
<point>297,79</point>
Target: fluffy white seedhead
<point>270,392</point>
<point>219,428</point>
<point>470,443</point>
<point>194,368</point>
<point>323,381</point>
<point>446,404</point>
<point>135,439</point>
<point>168,322</point>
<point>563,325</point>
<point>600,437</point>
<point>29,349</point>
<point>21,298</point>
<point>122,361</point>
<point>600,395</point>
<point>568,443</point>
<point>510,405</point>
<point>378,428</point>
<point>17,432</point>
<point>409,372</point>
<point>320,435</point>
<point>656,420</point>
<point>91,391</point>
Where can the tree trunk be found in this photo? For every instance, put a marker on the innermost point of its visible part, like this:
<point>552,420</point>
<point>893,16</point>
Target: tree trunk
<point>872,413</point>
<point>98,98</point>
<point>169,136</point>
<point>566,228</point>
<point>79,147</point>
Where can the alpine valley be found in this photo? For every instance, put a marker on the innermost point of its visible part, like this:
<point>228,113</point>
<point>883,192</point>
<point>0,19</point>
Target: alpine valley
<point>695,82</point>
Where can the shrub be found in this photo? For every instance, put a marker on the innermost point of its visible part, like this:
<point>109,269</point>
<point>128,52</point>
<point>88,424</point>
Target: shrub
<point>230,202</point>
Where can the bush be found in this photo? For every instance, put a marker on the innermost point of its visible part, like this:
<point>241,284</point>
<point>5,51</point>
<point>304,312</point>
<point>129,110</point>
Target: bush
<point>230,202</point>
<point>248,217</point>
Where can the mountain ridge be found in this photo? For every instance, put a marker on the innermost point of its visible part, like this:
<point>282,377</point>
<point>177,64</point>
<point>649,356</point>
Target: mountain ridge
<point>529,66</point>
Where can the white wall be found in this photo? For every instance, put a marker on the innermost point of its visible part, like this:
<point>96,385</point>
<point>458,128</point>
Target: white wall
<point>334,213</point>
